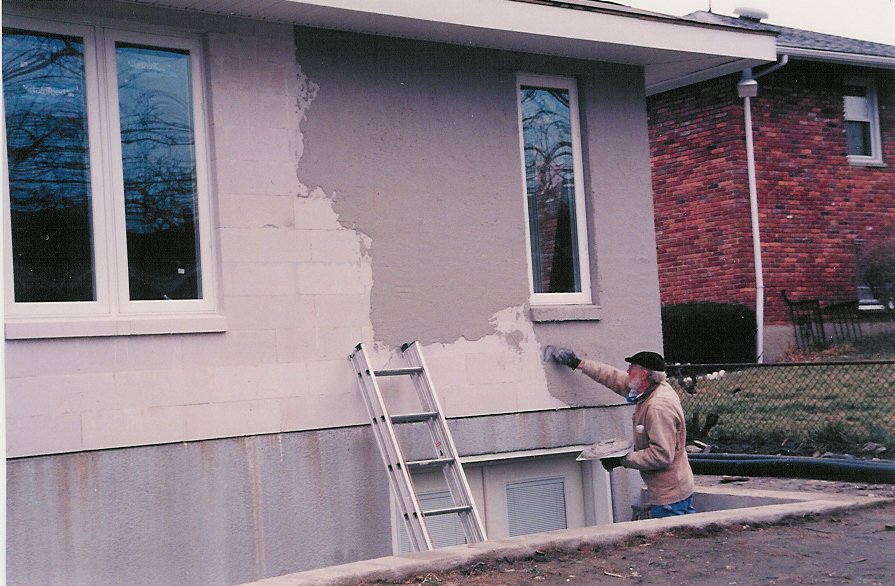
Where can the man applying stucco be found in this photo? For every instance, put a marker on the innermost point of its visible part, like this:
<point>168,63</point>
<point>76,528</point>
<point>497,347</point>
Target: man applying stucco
<point>660,433</point>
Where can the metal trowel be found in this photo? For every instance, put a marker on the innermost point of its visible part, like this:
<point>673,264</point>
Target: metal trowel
<point>611,448</point>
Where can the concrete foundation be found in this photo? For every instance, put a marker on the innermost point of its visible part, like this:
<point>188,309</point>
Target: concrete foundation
<point>233,510</point>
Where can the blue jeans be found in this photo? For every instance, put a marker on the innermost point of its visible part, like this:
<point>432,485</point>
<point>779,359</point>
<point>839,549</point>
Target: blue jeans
<point>683,507</point>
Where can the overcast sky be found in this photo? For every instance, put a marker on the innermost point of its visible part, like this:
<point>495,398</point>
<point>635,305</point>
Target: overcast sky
<point>871,20</point>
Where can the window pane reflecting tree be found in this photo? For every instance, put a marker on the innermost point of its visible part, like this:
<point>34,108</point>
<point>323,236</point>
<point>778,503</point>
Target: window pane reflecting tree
<point>159,167</point>
<point>550,186</point>
<point>48,165</point>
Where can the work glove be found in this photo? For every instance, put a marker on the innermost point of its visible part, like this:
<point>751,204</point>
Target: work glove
<point>610,463</point>
<point>566,357</point>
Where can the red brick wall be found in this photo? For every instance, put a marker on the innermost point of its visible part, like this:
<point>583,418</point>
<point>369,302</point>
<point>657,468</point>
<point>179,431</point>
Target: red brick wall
<point>813,205</point>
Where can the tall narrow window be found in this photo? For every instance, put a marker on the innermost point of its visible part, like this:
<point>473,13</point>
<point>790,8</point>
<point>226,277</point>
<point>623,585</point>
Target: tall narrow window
<point>862,122</point>
<point>159,169</point>
<point>551,154</point>
<point>50,203</point>
<point>107,183</point>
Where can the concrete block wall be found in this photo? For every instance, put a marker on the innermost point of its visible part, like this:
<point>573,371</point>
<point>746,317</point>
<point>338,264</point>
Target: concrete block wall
<point>813,204</point>
<point>294,287</point>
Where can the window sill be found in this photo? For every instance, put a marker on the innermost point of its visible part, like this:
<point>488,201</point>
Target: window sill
<point>566,313</point>
<point>865,163</point>
<point>29,329</point>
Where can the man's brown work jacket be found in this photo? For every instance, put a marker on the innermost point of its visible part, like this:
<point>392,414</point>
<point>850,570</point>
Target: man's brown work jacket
<point>660,449</point>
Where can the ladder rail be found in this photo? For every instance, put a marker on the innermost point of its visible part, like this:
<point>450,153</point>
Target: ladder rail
<point>389,449</point>
<point>454,474</point>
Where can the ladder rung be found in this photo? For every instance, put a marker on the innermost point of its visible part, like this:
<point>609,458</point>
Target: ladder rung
<point>447,511</point>
<point>414,417</point>
<point>422,464</point>
<point>399,371</point>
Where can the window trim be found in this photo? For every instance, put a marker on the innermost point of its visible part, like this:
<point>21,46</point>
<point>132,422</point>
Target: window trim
<point>583,297</point>
<point>113,312</point>
<point>876,150</point>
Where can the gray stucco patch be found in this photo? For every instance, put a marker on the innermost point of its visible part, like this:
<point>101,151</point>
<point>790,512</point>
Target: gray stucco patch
<point>418,148</point>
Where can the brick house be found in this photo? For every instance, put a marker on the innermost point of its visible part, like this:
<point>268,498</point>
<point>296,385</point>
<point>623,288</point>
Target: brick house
<point>209,203</point>
<point>824,148</point>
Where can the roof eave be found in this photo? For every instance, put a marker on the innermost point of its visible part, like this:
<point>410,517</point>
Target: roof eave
<point>665,46</point>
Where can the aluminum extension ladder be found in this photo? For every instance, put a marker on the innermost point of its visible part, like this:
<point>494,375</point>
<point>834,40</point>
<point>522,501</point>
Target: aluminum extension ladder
<point>398,469</point>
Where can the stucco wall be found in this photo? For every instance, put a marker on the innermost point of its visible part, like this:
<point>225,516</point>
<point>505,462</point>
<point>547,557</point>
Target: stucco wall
<point>363,190</point>
<point>416,144</point>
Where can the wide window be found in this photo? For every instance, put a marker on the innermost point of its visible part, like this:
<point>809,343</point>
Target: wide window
<point>862,122</point>
<point>554,190</point>
<point>107,189</point>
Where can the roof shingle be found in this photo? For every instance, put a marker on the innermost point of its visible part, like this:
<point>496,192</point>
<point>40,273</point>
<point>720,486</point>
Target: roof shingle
<point>800,39</point>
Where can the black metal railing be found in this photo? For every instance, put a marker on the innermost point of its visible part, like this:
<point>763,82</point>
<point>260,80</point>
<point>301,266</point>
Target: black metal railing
<point>792,409</point>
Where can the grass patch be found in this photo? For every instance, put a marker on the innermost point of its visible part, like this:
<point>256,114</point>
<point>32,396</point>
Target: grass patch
<point>801,409</point>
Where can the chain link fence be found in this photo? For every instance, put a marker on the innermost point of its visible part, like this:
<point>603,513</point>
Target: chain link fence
<point>790,409</point>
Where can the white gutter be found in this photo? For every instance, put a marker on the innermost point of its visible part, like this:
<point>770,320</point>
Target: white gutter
<point>747,89</point>
<point>838,57</point>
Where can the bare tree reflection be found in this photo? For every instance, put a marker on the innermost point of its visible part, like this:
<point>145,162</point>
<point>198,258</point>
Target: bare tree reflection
<point>50,184</point>
<point>49,174</point>
<point>547,135</point>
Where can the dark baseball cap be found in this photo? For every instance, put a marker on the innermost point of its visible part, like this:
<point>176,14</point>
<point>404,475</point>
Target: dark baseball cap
<point>647,360</point>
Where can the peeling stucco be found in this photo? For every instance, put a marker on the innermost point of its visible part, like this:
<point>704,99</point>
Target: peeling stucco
<point>306,92</point>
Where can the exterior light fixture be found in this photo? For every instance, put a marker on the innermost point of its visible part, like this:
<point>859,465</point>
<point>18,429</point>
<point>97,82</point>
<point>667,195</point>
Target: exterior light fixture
<point>747,88</point>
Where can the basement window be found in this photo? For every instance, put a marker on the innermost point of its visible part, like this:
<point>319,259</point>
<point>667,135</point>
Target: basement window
<point>862,122</point>
<point>444,530</point>
<point>550,141</point>
<point>534,506</point>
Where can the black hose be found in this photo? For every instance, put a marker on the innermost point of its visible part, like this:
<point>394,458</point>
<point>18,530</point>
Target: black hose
<point>724,456</point>
<point>872,472</point>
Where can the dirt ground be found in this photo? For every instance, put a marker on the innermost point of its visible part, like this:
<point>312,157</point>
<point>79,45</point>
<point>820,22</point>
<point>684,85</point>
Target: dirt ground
<point>854,547</point>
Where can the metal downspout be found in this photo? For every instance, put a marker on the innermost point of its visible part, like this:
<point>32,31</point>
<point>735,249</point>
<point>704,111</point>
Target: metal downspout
<point>747,89</point>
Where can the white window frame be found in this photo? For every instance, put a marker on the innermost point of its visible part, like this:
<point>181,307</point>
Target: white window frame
<point>582,297</point>
<point>113,312</point>
<point>871,117</point>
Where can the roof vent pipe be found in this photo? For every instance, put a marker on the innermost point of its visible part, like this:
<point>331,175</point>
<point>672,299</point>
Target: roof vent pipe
<point>751,14</point>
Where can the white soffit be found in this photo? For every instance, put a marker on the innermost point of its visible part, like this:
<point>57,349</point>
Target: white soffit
<point>669,48</point>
